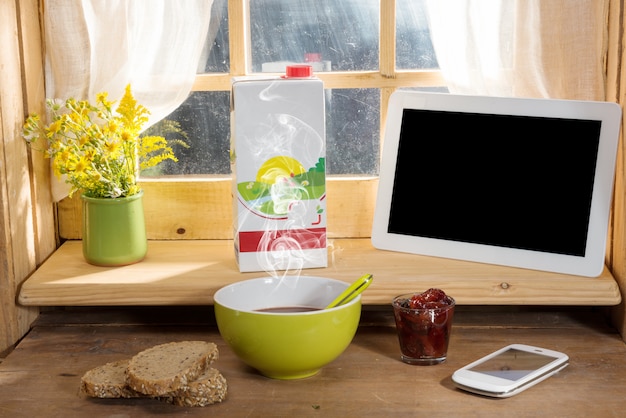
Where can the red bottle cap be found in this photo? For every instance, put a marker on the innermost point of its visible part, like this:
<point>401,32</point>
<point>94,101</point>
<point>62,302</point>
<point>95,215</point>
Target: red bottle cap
<point>300,71</point>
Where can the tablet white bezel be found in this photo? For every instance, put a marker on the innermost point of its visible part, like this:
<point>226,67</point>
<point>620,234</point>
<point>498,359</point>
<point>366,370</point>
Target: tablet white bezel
<point>591,265</point>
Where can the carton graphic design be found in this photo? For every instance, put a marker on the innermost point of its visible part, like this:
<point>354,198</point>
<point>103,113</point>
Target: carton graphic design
<point>279,168</point>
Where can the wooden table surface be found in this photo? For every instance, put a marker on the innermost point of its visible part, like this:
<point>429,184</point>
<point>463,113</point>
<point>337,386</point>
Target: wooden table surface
<point>40,378</point>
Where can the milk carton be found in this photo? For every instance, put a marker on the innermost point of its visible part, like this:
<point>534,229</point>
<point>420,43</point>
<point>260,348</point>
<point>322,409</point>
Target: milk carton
<point>279,176</point>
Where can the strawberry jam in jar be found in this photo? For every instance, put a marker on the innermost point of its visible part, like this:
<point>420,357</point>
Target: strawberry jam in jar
<point>423,323</point>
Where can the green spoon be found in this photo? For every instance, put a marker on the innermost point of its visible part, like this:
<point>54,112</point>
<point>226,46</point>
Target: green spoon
<point>352,291</point>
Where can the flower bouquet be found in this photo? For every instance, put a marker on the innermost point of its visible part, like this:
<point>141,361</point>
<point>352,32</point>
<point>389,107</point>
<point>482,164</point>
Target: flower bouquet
<point>100,151</point>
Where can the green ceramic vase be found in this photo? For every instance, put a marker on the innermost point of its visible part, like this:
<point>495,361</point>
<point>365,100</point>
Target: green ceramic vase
<point>114,230</point>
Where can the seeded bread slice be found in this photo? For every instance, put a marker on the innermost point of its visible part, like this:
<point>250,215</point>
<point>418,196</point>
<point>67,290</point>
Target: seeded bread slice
<point>108,381</point>
<point>166,368</point>
<point>208,389</point>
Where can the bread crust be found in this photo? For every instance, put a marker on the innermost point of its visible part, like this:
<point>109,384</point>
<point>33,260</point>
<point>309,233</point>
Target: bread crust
<point>164,369</point>
<point>108,381</point>
<point>209,388</point>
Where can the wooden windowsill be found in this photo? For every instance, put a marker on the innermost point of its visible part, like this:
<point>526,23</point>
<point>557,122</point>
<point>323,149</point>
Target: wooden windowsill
<point>189,273</point>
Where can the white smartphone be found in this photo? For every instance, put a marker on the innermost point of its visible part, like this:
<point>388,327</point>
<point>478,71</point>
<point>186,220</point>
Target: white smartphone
<point>510,370</point>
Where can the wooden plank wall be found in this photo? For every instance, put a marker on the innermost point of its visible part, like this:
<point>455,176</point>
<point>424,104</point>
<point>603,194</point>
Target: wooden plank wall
<point>26,217</point>
<point>203,209</point>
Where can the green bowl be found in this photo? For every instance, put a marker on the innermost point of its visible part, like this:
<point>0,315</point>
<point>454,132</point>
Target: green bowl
<point>286,345</point>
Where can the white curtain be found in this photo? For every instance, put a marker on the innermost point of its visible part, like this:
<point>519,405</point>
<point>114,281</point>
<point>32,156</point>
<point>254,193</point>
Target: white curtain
<point>524,48</point>
<point>103,45</point>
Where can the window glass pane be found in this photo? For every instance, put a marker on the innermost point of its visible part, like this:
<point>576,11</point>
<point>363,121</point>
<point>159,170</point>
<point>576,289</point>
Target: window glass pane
<point>414,49</point>
<point>215,56</point>
<point>353,131</point>
<point>205,119</point>
<point>343,34</point>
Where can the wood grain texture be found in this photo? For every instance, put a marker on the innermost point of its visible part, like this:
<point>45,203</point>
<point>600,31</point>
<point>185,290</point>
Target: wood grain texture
<point>202,209</point>
<point>41,377</point>
<point>341,80</point>
<point>387,43</point>
<point>190,272</point>
<point>34,100</point>
<point>239,40</point>
<point>18,228</point>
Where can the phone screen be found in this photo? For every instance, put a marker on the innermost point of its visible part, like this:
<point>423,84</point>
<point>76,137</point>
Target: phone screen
<point>513,364</point>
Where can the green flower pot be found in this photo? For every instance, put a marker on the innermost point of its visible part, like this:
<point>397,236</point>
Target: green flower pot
<point>114,230</point>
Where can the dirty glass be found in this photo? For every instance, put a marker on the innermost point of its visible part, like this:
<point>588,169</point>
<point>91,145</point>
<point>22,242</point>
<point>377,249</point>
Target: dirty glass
<point>343,34</point>
<point>333,35</point>
<point>352,133</point>
<point>414,50</point>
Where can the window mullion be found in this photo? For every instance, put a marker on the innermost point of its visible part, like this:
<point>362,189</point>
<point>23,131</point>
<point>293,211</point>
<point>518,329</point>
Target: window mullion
<point>387,48</point>
<point>387,57</point>
<point>239,36</point>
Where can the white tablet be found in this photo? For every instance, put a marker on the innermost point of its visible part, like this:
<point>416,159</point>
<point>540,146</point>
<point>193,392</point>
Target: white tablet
<point>516,182</point>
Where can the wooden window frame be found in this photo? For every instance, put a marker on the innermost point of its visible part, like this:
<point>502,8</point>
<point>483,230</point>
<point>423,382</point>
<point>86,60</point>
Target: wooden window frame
<point>194,207</point>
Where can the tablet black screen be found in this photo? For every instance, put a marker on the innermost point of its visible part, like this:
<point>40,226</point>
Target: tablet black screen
<point>510,181</point>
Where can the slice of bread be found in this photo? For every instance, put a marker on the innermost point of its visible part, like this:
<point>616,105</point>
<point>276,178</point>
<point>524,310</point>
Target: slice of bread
<point>207,389</point>
<point>166,368</point>
<point>108,381</point>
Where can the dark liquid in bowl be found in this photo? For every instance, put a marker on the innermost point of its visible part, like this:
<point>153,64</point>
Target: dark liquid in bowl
<point>288,309</point>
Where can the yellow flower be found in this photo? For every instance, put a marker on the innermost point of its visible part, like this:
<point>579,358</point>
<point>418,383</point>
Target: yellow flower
<point>90,154</point>
<point>64,156</point>
<point>56,168</point>
<point>102,97</point>
<point>81,165</point>
<point>112,126</point>
<point>96,147</point>
<point>83,141</point>
<point>111,147</point>
<point>54,128</point>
